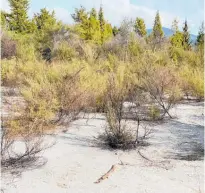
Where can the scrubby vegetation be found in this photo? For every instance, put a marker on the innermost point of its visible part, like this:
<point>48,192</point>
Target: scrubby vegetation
<point>62,70</point>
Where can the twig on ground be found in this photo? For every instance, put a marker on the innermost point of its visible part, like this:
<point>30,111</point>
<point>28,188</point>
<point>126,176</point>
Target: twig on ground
<point>106,175</point>
<point>159,164</point>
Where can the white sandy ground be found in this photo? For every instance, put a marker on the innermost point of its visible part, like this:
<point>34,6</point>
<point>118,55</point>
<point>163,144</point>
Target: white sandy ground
<point>75,162</point>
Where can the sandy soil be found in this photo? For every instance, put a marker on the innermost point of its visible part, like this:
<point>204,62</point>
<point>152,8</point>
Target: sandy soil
<point>75,162</point>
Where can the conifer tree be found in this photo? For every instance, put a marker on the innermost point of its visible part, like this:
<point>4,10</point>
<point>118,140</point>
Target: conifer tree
<point>80,15</point>
<point>44,20</point>
<point>81,18</point>
<point>140,27</point>
<point>19,21</point>
<point>90,27</point>
<point>186,37</point>
<point>200,37</point>
<point>93,13</point>
<point>200,43</point>
<point>175,27</point>
<point>4,19</point>
<point>115,30</point>
<point>157,29</point>
<point>93,32</point>
<point>105,28</point>
<point>177,37</point>
<point>108,31</point>
<point>102,23</point>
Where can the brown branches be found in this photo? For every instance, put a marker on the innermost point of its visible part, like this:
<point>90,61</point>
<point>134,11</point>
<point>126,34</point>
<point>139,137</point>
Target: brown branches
<point>107,174</point>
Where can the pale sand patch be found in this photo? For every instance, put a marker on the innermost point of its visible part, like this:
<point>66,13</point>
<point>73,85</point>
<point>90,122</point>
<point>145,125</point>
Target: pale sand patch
<point>76,162</point>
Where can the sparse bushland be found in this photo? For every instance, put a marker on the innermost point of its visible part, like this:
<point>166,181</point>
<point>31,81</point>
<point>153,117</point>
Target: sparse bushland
<point>117,133</point>
<point>28,127</point>
<point>63,70</point>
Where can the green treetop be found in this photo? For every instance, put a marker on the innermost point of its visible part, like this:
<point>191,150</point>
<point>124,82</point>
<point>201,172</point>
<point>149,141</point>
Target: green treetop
<point>102,23</point>
<point>105,28</point>
<point>157,29</point>
<point>93,13</point>
<point>140,27</point>
<point>186,37</point>
<point>175,27</point>
<point>44,20</point>
<point>177,38</point>
<point>80,15</point>
<point>4,18</point>
<point>115,30</point>
<point>93,32</point>
<point>200,37</point>
<point>19,21</point>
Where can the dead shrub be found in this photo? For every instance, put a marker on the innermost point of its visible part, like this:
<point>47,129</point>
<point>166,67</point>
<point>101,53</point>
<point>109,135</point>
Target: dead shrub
<point>8,47</point>
<point>162,86</point>
<point>117,134</point>
<point>72,98</point>
<point>22,139</point>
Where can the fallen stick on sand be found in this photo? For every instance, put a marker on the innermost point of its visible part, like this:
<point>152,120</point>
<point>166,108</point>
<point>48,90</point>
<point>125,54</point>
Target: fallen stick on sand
<point>160,164</point>
<point>144,156</point>
<point>106,175</point>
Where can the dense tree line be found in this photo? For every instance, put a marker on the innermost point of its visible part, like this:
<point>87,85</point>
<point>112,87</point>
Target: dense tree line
<point>90,25</point>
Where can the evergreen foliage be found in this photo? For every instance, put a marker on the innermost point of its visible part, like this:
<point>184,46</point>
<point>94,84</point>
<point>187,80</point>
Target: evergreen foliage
<point>200,37</point>
<point>18,20</point>
<point>186,37</point>
<point>105,28</point>
<point>115,30</point>
<point>177,38</point>
<point>157,29</point>
<point>44,20</point>
<point>140,27</point>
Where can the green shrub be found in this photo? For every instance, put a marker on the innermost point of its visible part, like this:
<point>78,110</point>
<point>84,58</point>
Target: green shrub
<point>154,112</point>
<point>64,52</point>
<point>192,81</point>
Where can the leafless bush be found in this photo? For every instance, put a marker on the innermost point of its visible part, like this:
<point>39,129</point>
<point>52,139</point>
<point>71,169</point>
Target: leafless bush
<point>8,47</point>
<point>158,43</point>
<point>161,84</point>
<point>126,28</point>
<point>72,98</point>
<point>119,44</point>
<point>22,142</point>
<point>117,134</point>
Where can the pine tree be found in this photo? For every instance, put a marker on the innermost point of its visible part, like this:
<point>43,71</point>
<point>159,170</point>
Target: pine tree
<point>102,23</point>
<point>140,27</point>
<point>177,38</point>
<point>157,29</point>
<point>108,31</point>
<point>200,37</point>
<point>105,28</point>
<point>90,27</point>
<point>200,43</point>
<point>175,27</point>
<point>4,19</point>
<point>93,32</point>
<point>19,21</point>
<point>44,20</point>
<point>80,15</point>
<point>115,30</point>
<point>93,13</point>
<point>186,37</point>
<point>47,26</point>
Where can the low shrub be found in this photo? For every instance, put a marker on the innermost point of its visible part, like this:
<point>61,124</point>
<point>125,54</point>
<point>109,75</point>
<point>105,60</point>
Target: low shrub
<point>162,85</point>
<point>8,47</point>
<point>64,52</point>
<point>154,112</point>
